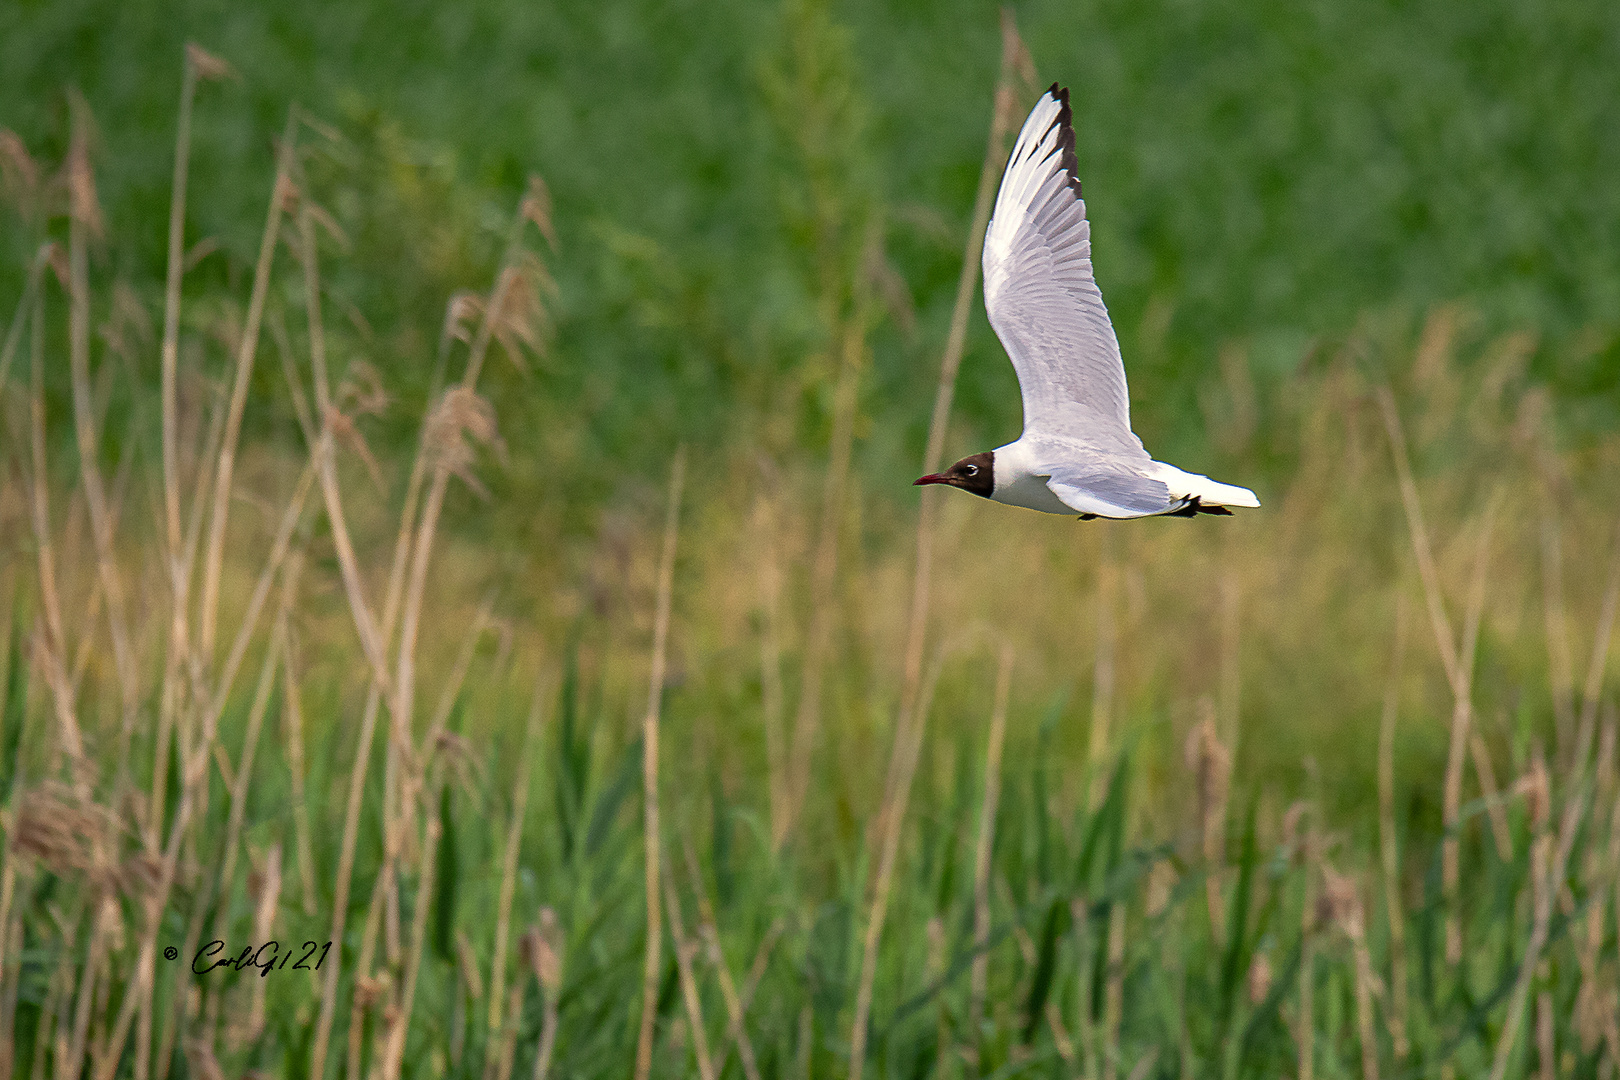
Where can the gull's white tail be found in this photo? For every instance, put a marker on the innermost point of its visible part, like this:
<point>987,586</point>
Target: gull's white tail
<point>1186,485</point>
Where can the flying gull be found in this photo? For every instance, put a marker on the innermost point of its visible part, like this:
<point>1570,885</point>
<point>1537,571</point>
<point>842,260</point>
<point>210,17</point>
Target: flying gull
<point>1077,453</point>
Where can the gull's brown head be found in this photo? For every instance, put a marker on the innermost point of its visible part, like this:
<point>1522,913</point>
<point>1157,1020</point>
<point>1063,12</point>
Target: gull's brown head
<point>976,474</point>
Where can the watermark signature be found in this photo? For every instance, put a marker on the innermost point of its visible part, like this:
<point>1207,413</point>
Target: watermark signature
<point>265,958</point>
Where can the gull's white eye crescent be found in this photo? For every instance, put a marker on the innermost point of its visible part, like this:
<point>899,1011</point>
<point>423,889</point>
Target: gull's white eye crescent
<point>970,470</point>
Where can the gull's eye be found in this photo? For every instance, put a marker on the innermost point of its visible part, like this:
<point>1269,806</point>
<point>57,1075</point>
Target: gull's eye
<point>970,470</point>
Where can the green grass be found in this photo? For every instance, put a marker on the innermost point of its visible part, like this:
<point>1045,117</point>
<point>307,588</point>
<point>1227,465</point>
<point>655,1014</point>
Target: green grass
<point>1292,197</point>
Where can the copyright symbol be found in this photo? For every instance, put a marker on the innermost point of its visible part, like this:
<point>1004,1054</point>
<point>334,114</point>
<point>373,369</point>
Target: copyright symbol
<point>170,953</point>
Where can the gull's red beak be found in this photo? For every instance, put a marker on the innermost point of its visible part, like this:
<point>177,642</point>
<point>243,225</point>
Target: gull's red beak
<point>931,478</point>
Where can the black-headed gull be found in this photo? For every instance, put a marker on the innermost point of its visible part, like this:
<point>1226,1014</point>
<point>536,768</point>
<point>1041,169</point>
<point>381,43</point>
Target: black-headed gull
<point>1077,453</point>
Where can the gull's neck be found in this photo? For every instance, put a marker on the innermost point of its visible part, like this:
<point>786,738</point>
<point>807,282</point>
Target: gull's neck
<point>1018,483</point>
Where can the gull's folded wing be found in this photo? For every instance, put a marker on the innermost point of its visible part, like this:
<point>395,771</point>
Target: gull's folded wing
<point>1093,487</point>
<point>1042,299</point>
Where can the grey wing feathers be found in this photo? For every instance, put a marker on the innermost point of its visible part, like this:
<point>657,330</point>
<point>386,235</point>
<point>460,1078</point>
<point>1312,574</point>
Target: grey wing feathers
<point>1094,487</point>
<point>1042,298</point>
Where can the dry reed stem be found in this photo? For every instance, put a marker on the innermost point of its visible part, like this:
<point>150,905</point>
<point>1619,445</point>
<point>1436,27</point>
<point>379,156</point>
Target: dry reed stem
<point>180,1003</point>
<point>184,692</point>
<point>744,998</point>
<point>86,433</point>
<point>10,986</point>
<point>91,614</point>
<point>400,816</point>
<point>824,564</point>
<point>1598,664</point>
<point>1003,116</point>
<point>510,277</point>
<point>247,350</point>
<point>25,304</point>
<point>1085,1028</point>
<point>1114,991</point>
<point>395,590</point>
<point>368,989</point>
<point>980,976</point>
<point>1544,1036</point>
<point>1461,720</point>
<point>933,971</point>
<point>1305,1030</point>
<point>264,919</point>
<point>1495,812</point>
<point>1228,697</point>
<point>1341,901</point>
<point>244,772</point>
<point>499,1065</point>
<point>1457,658</point>
<point>1211,766</point>
<point>514,836</point>
<point>321,452</point>
<point>649,767</point>
<point>291,515</point>
<point>194,679</point>
<point>101,918</point>
<point>324,452</point>
<point>506,280</point>
<point>399,819</point>
<point>61,986</point>
<point>176,656</point>
<point>1421,546</point>
<point>193,773</point>
<point>171,342</point>
<point>545,955</point>
<point>55,645</point>
<point>1548,884</point>
<point>10,975</point>
<point>770,662</point>
<point>685,950</point>
<point>1561,668</point>
<point>1144,1065</point>
<point>1102,678</point>
<point>736,1004</point>
<point>1388,841</point>
<point>394,1056</point>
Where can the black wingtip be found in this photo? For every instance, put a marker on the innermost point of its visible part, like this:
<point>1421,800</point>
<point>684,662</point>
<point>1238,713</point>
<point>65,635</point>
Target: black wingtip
<point>1065,126</point>
<point>1194,507</point>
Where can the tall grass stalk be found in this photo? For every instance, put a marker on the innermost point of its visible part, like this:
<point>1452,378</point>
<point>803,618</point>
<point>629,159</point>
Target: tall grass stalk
<point>84,220</point>
<point>824,569</point>
<point>1003,116</point>
<point>1102,669</point>
<point>1305,1025</point>
<point>736,1004</point>
<point>25,304</point>
<point>220,886</point>
<point>247,350</point>
<point>981,852</point>
<point>778,781</point>
<point>1388,841</point>
<point>509,860</point>
<point>1457,657</point>
<point>686,950</point>
<point>53,647</point>
<point>1560,660</point>
<point>649,771</point>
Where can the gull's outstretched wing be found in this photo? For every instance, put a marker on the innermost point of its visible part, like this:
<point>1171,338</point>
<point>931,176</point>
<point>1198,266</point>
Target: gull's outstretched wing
<point>1042,299</point>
